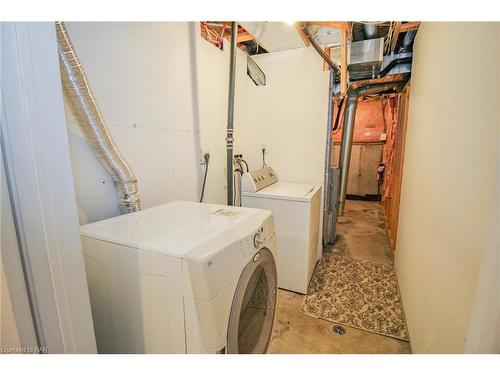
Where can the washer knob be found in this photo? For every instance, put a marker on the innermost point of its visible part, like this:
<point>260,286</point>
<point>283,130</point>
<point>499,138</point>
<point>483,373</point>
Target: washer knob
<point>258,239</point>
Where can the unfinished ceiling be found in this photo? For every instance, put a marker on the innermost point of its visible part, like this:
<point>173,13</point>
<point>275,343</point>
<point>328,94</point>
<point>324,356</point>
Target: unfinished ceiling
<point>275,36</point>
<point>360,50</point>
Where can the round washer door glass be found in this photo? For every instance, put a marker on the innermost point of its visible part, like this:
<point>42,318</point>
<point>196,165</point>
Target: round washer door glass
<point>252,312</point>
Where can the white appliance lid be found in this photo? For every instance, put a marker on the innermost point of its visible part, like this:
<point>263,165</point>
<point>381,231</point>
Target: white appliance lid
<point>172,229</point>
<point>293,191</point>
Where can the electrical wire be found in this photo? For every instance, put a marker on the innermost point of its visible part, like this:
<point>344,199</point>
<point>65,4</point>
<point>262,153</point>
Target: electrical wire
<point>204,178</point>
<point>246,164</point>
<point>240,169</point>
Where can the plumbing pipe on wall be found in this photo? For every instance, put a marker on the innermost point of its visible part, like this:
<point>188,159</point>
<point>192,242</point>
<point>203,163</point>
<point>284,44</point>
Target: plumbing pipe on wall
<point>230,113</point>
<point>90,119</point>
<point>328,211</point>
<point>356,91</point>
<point>329,221</point>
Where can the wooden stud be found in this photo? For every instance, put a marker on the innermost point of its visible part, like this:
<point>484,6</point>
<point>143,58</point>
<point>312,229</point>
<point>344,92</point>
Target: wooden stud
<point>343,62</point>
<point>349,30</point>
<point>391,203</point>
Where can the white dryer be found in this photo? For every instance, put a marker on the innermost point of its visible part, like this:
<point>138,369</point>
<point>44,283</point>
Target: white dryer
<point>296,209</point>
<point>183,277</point>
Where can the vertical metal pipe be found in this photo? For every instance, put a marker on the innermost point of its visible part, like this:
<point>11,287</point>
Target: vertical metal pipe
<point>348,132</point>
<point>346,146</point>
<point>230,113</point>
<point>327,209</point>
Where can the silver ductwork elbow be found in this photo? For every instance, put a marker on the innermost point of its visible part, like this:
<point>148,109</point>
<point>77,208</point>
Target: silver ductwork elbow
<point>90,120</point>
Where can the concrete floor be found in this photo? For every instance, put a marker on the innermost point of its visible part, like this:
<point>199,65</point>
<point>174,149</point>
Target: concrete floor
<point>362,235</point>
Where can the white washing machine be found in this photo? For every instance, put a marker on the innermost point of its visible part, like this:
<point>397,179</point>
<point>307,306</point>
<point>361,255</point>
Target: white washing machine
<point>296,209</point>
<point>183,277</point>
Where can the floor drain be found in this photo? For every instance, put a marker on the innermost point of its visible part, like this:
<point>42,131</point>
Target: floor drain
<point>339,330</point>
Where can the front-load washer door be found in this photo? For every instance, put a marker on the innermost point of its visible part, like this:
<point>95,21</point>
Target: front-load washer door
<point>254,304</point>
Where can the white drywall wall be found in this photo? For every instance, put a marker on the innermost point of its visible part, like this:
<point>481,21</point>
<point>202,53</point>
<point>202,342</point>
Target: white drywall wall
<point>446,224</point>
<point>16,325</point>
<point>163,93</point>
<point>288,116</point>
<point>162,90</point>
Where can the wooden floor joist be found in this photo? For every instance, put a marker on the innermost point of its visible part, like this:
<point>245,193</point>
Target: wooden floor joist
<point>395,35</point>
<point>335,24</point>
<point>409,26</point>
<point>299,26</point>
<point>244,36</point>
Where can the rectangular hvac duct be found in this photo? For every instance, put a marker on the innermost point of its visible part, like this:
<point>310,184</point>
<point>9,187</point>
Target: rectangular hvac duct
<point>365,58</point>
<point>255,72</point>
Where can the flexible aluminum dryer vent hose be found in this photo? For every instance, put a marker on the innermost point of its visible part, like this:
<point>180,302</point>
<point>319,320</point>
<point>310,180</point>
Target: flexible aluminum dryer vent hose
<point>86,111</point>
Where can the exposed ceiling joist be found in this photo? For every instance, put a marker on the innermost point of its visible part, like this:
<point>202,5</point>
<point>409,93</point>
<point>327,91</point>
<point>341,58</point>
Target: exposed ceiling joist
<point>399,28</point>
<point>336,24</point>
<point>300,30</point>
<point>409,26</point>
<point>395,35</point>
<point>244,36</point>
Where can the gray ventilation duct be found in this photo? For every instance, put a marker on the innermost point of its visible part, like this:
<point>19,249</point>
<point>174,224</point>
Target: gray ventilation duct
<point>255,72</point>
<point>370,29</point>
<point>86,111</point>
<point>356,91</point>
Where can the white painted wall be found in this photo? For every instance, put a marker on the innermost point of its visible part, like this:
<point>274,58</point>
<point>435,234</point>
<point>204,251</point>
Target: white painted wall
<point>37,163</point>
<point>448,224</point>
<point>16,325</point>
<point>288,116</point>
<point>163,92</point>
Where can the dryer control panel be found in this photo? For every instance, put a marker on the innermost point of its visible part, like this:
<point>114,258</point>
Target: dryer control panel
<point>259,179</point>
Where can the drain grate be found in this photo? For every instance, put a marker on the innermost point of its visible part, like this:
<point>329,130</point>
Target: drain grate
<point>339,330</point>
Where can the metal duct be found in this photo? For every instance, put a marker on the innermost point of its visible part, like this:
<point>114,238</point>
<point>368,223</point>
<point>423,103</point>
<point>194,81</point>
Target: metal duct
<point>255,72</point>
<point>393,63</point>
<point>407,40</point>
<point>86,111</point>
<point>370,30</point>
<point>357,90</point>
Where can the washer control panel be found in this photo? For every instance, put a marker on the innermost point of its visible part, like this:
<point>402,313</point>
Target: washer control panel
<point>259,179</point>
<point>253,242</point>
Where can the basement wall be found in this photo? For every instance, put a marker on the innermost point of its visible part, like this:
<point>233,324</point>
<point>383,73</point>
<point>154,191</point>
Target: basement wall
<point>447,247</point>
<point>162,90</point>
<point>163,93</point>
<point>288,116</point>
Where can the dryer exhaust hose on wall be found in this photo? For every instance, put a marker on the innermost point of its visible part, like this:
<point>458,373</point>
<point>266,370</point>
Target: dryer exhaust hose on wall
<point>90,120</point>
